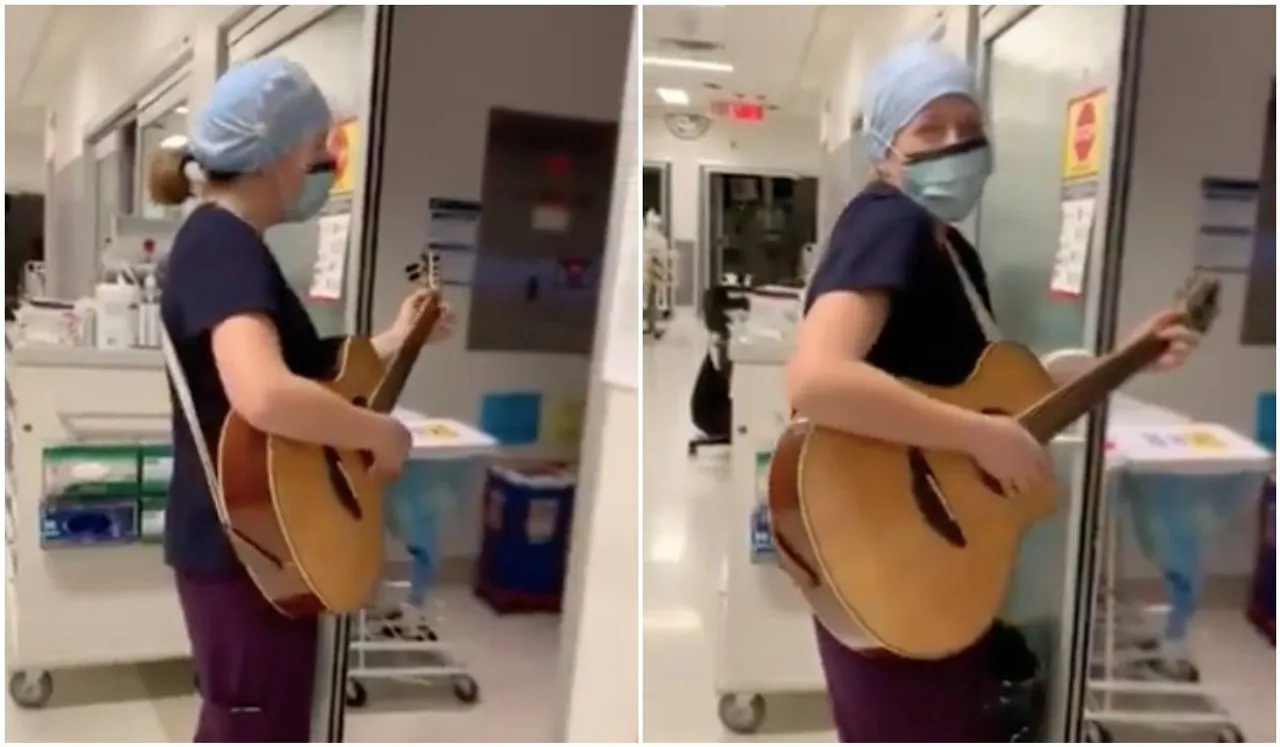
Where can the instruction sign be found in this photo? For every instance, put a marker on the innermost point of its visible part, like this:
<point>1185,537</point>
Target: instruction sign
<point>1082,152</point>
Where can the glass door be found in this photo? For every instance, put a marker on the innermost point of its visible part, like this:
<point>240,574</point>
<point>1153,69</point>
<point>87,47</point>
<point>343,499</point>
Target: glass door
<point>1054,87</point>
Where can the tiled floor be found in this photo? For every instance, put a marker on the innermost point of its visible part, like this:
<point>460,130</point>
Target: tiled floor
<point>683,551</point>
<point>513,658</point>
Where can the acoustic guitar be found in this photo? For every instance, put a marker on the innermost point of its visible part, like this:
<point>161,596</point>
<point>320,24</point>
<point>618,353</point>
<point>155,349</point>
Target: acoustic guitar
<point>914,547</point>
<point>306,520</point>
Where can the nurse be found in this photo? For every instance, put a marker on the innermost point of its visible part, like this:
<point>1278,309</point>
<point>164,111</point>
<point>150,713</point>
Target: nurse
<point>256,159</point>
<point>900,293</point>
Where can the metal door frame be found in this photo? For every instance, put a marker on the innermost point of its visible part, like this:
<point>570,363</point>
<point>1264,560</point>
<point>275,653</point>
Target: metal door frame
<point>1101,316</point>
<point>707,169</point>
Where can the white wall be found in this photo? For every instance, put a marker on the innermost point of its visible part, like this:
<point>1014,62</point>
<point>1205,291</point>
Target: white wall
<point>780,143</point>
<point>24,163</point>
<point>129,48</point>
<point>1226,56</point>
<point>564,61</point>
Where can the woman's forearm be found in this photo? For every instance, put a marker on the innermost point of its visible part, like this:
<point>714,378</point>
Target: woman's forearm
<point>858,398</point>
<point>305,410</point>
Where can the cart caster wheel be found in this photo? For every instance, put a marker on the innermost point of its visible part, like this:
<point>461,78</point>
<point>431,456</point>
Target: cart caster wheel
<point>740,714</point>
<point>31,689</point>
<point>1231,734</point>
<point>666,314</point>
<point>693,450</point>
<point>465,689</point>
<point>355,694</point>
<point>1096,732</point>
<point>658,333</point>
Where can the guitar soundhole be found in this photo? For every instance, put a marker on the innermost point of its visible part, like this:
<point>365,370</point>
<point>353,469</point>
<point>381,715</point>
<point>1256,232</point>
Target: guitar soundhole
<point>338,478</point>
<point>992,483</point>
<point>930,503</point>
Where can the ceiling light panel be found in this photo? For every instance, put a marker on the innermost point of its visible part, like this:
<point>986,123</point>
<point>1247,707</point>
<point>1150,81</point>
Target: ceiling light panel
<point>688,64</point>
<point>673,96</point>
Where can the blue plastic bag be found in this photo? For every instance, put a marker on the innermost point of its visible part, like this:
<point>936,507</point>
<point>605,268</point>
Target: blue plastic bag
<point>425,490</point>
<point>1174,516</point>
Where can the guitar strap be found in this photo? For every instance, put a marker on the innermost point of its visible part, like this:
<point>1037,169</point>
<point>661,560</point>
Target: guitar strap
<point>980,311</point>
<point>179,379</point>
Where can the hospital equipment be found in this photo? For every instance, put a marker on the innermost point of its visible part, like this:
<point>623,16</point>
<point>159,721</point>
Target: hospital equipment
<point>399,639</point>
<point>64,399</point>
<point>659,276</point>
<point>1176,482</point>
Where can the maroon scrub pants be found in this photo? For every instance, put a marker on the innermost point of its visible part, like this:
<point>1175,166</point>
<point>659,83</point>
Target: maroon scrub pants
<point>256,667</point>
<point>878,697</point>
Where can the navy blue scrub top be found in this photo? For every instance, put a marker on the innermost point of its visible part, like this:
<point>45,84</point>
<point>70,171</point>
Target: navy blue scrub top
<point>885,241</point>
<point>219,267</point>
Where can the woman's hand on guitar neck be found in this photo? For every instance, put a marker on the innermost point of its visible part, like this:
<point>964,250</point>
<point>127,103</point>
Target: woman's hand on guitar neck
<point>1167,325</point>
<point>1009,454</point>
<point>388,341</point>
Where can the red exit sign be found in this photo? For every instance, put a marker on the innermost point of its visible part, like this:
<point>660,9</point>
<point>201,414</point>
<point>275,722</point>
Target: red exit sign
<point>744,111</point>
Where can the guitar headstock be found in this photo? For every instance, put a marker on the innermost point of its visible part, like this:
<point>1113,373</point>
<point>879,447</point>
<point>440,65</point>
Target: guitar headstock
<point>425,271</point>
<point>1198,302</point>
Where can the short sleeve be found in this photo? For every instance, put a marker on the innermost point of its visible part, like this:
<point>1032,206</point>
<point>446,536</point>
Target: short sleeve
<point>874,246</point>
<point>221,272</point>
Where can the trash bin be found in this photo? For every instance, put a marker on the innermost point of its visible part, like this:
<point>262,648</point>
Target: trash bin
<point>528,514</point>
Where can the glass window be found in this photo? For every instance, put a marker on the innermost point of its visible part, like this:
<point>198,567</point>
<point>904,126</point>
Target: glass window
<point>332,51</point>
<point>106,182</point>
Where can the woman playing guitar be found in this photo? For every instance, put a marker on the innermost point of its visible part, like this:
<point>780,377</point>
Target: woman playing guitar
<point>887,302</point>
<point>245,341</point>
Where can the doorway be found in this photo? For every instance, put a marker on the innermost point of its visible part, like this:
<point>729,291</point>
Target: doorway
<point>1033,98</point>
<point>755,225</point>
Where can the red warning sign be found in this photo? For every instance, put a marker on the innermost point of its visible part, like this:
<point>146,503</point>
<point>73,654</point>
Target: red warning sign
<point>1082,152</point>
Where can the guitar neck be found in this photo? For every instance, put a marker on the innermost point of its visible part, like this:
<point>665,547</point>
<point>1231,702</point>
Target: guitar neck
<point>1055,413</point>
<point>397,374</point>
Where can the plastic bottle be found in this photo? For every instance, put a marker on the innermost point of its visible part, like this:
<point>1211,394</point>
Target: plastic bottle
<point>116,312</point>
<point>149,314</point>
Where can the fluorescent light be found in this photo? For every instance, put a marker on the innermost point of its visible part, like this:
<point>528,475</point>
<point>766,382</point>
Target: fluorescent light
<point>686,64</point>
<point>673,96</point>
<point>181,109</point>
<point>174,142</point>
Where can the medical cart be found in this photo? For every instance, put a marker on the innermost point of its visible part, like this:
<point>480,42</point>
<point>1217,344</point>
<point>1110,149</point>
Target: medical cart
<point>98,597</point>
<point>1130,683</point>
<point>764,643</point>
<point>386,643</point>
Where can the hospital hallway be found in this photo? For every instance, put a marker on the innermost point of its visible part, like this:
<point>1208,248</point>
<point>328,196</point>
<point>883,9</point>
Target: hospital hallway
<point>687,528</point>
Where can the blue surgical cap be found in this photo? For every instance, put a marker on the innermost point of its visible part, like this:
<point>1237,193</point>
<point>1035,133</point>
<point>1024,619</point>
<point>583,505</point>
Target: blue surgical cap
<point>902,84</point>
<point>257,112</point>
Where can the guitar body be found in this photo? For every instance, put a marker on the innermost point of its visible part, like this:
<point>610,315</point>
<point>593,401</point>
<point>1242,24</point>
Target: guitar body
<point>306,520</point>
<point>913,548</point>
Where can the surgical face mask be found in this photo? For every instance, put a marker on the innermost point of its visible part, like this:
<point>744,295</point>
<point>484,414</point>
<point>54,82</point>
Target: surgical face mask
<point>948,182</point>
<point>315,193</point>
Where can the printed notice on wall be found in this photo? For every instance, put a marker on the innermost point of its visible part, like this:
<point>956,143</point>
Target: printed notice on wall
<point>452,224</point>
<point>1224,234</point>
<point>331,257</point>
<point>1075,236</point>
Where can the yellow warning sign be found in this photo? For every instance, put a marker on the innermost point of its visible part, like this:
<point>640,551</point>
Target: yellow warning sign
<point>1082,151</point>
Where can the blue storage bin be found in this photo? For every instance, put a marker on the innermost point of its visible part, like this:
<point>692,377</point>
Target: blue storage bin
<point>528,513</point>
